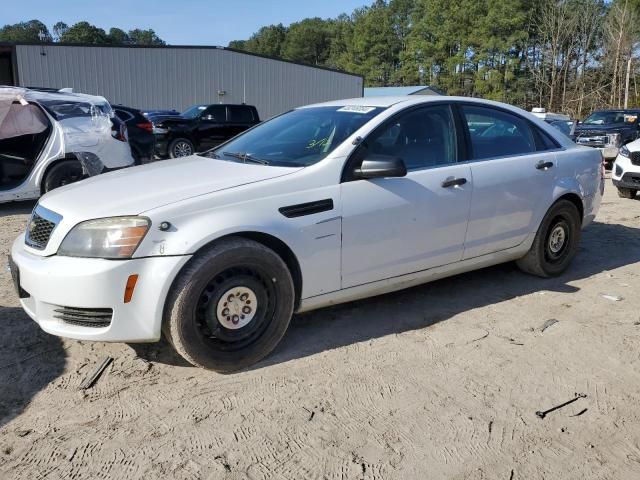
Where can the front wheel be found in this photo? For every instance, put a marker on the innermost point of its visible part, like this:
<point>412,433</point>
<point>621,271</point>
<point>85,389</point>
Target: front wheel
<point>230,306</point>
<point>181,147</point>
<point>61,174</point>
<point>556,241</point>
<point>627,192</point>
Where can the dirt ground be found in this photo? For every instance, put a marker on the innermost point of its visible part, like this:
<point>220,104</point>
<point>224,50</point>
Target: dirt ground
<point>439,381</point>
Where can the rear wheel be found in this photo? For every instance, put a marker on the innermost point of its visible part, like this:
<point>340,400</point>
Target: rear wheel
<point>181,147</point>
<point>627,192</point>
<point>62,173</point>
<point>556,242</point>
<point>230,306</point>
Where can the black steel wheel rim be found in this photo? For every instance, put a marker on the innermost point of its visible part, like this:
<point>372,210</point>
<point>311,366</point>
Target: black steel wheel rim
<point>209,326</point>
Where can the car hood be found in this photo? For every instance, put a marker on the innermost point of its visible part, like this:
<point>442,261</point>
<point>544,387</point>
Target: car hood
<point>136,190</point>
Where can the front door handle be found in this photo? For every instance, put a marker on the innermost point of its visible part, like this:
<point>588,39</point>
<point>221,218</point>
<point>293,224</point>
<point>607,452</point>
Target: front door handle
<point>453,182</point>
<point>544,165</point>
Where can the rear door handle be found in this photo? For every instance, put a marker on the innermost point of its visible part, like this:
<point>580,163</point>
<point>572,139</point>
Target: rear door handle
<point>453,182</point>
<point>544,165</point>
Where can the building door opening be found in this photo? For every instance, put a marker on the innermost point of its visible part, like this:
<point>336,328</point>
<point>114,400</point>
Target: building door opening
<point>6,66</point>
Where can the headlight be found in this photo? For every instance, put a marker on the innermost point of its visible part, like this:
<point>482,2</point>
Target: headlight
<point>624,151</point>
<point>116,237</point>
<point>159,130</point>
<point>614,139</point>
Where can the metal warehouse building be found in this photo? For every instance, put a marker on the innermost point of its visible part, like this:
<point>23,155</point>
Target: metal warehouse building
<point>175,76</point>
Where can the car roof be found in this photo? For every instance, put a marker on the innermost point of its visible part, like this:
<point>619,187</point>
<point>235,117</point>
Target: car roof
<point>408,100</point>
<point>617,110</point>
<point>38,95</point>
<point>386,102</point>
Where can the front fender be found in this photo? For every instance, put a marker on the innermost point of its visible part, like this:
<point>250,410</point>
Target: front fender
<point>313,239</point>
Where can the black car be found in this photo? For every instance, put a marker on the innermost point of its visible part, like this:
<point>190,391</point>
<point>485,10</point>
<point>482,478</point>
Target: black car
<point>608,130</point>
<point>140,132</point>
<point>201,127</point>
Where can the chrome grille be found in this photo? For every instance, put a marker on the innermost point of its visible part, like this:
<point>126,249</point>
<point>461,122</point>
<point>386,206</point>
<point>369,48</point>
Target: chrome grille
<point>593,141</point>
<point>41,225</point>
<point>85,317</point>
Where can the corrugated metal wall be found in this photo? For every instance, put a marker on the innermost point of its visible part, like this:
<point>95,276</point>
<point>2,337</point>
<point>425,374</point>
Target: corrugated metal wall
<point>164,78</point>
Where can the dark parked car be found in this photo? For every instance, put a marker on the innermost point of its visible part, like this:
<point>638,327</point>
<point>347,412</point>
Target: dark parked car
<point>140,131</point>
<point>608,130</point>
<point>201,127</point>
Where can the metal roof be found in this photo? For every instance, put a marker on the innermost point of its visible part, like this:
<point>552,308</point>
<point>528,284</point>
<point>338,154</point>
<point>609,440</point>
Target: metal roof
<point>401,91</point>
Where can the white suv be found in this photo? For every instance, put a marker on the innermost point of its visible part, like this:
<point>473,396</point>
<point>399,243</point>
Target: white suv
<point>625,173</point>
<point>322,205</point>
<point>51,138</point>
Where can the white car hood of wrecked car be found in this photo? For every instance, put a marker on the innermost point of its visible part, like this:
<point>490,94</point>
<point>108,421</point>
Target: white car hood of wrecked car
<point>136,190</point>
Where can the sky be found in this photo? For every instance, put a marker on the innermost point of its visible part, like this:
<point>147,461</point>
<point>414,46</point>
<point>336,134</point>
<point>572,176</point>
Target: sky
<point>178,22</point>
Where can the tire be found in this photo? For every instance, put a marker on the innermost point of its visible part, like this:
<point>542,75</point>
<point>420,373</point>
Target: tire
<point>62,173</point>
<point>230,306</point>
<point>556,241</point>
<point>181,147</point>
<point>627,192</point>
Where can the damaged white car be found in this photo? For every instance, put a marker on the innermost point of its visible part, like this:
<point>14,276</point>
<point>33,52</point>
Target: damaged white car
<point>52,138</point>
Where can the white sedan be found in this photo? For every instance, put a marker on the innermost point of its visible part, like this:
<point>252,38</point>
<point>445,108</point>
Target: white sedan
<point>322,205</point>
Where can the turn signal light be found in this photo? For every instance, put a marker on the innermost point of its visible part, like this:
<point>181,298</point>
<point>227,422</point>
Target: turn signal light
<point>131,285</point>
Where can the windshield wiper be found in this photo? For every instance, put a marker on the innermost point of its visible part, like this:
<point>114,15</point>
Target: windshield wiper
<point>246,158</point>
<point>210,154</point>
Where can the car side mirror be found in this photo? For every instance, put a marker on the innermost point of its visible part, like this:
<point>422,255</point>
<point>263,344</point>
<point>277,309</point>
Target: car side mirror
<point>380,166</point>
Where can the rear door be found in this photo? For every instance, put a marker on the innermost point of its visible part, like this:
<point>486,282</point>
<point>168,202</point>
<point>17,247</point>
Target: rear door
<point>513,169</point>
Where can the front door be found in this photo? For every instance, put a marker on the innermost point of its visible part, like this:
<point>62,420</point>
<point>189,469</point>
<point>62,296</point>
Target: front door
<point>212,127</point>
<point>396,226</point>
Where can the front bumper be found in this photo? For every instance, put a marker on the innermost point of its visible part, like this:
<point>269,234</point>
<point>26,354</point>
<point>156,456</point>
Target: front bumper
<point>56,282</point>
<point>625,174</point>
<point>628,180</point>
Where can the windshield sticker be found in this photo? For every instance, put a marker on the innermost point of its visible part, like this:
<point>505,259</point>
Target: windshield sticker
<point>630,118</point>
<point>356,109</point>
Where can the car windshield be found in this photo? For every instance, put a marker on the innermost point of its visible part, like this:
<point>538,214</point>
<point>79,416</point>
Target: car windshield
<point>298,138</point>
<point>193,112</point>
<point>610,118</point>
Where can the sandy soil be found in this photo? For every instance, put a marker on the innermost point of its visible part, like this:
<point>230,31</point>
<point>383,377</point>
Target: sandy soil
<point>440,381</point>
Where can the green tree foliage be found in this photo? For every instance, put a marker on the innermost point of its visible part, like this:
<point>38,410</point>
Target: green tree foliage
<point>308,41</point>
<point>31,31</point>
<point>266,41</point>
<point>566,55</point>
<point>59,29</point>
<point>117,36</point>
<point>82,32</point>
<point>144,37</point>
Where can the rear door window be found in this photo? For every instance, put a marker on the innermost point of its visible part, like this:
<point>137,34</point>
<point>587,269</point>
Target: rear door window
<point>495,133</point>
<point>239,114</point>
